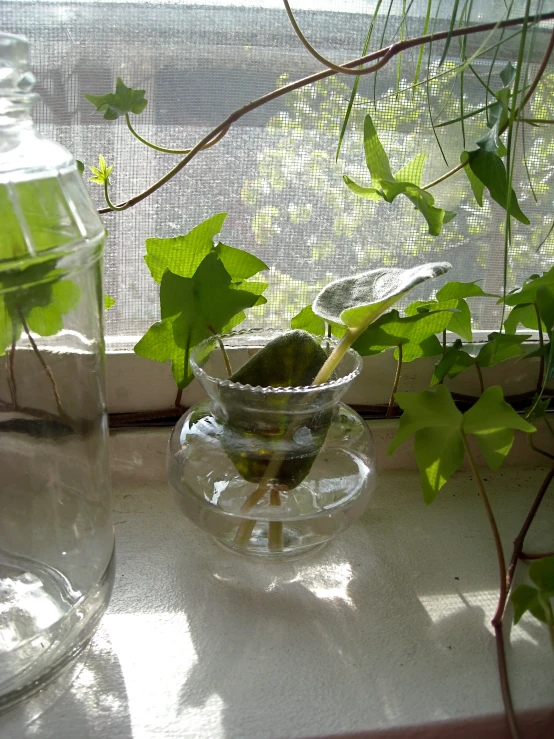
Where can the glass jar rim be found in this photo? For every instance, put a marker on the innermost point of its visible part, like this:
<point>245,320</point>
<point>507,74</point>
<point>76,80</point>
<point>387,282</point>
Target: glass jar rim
<point>201,374</point>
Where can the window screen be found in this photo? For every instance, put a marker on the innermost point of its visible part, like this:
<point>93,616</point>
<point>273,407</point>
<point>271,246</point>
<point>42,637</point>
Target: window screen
<point>275,172</point>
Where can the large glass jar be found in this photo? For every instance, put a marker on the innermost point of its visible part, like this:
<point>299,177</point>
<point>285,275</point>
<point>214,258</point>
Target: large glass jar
<point>273,472</point>
<point>56,535</point>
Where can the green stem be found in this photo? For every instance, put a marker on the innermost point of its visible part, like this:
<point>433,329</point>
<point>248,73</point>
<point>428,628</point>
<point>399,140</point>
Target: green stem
<point>149,143</point>
<point>384,55</point>
<point>537,121</point>
<point>337,354</point>
<point>396,381</point>
<point>111,206</point>
<point>541,343</point>
<point>246,526</point>
<point>425,29</point>
<point>528,96</point>
<point>444,342</point>
<point>144,141</point>
<point>497,618</point>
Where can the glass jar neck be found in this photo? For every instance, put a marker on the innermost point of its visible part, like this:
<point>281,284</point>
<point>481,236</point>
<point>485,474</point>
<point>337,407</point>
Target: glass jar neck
<point>16,110</point>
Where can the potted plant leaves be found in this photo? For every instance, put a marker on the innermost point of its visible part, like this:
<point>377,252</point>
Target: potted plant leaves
<point>273,464</point>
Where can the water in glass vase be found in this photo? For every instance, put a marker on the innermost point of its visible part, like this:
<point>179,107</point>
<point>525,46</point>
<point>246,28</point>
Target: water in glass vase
<point>272,472</point>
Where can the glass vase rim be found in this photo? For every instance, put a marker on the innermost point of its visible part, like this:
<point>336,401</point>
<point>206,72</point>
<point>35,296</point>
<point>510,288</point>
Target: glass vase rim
<point>201,374</point>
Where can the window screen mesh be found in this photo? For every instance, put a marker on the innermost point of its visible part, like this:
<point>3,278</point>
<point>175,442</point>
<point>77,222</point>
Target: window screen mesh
<point>275,173</point>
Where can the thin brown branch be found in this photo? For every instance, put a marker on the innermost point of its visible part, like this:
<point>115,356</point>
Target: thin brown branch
<point>320,58</point>
<point>178,398</point>
<point>520,538</point>
<point>497,618</point>
<point>538,449</point>
<point>481,382</point>
<point>396,381</point>
<point>384,55</point>
<point>519,110</point>
<point>42,361</point>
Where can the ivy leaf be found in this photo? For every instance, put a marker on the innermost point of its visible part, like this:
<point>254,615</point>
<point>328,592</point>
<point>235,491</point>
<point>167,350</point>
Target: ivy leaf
<point>182,255</point>
<point>239,264</point>
<point>369,193</point>
<point>375,340</point>
<point>192,308</point>
<point>388,186</point>
<point>489,168</point>
<point>541,573</point>
<point>125,100</point>
<point>429,409</point>
<point>545,304</point>
<point>424,202</point>
<point>499,114</point>
<point>413,171</point>
<point>525,314</point>
<point>492,421</point>
<point>60,298</point>
<point>477,187</point>
<point>537,410</point>
<point>109,302</point>
<point>460,323</point>
<point>462,290</point>
<point>256,288</point>
<point>454,361</point>
<point>375,156</point>
<point>526,598</point>
<point>359,300</point>
<point>308,321</point>
<point>507,75</point>
<point>415,333</point>
<point>501,347</point>
<point>490,142</point>
<point>430,346</point>
<point>439,453</point>
<point>436,422</point>
<point>528,292</point>
<point>102,172</point>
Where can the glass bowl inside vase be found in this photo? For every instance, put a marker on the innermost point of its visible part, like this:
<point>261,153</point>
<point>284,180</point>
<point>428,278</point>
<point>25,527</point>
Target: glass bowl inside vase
<point>273,472</point>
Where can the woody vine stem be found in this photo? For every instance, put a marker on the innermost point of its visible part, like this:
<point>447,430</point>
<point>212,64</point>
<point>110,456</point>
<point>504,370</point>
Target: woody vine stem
<point>383,56</point>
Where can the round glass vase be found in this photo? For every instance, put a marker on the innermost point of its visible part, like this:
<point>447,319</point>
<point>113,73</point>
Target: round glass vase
<point>271,472</point>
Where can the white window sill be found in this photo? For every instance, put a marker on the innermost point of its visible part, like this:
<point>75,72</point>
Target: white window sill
<point>386,628</point>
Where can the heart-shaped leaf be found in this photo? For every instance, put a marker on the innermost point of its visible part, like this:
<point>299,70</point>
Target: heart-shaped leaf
<point>290,360</point>
<point>357,301</point>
